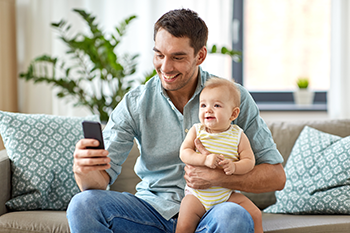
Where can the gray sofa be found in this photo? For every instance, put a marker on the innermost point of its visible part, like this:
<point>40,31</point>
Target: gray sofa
<point>284,133</point>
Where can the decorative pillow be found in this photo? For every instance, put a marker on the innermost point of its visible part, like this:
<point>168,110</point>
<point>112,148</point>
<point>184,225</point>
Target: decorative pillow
<point>318,176</point>
<point>41,149</point>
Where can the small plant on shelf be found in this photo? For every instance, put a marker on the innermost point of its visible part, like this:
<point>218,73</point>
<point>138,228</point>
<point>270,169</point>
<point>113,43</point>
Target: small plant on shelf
<point>303,96</point>
<point>303,82</point>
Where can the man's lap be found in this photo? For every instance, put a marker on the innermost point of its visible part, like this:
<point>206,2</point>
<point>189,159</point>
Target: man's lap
<point>108,211</point>
<point>116,211</point>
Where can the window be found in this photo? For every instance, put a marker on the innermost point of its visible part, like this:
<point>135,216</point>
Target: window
<point>282,40</point>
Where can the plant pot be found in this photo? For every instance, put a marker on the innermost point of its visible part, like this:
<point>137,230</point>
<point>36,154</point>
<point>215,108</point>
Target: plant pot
<point>303,97</point>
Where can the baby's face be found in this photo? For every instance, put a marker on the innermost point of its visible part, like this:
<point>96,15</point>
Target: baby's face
<point>215,109</point>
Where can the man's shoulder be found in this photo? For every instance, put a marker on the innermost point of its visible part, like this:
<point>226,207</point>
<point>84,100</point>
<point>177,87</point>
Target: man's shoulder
<point>138,100</point>
<point>205,75</point>
<point>143,91</point>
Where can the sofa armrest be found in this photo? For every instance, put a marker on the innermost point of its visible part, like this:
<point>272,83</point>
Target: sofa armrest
<point>5,180</point>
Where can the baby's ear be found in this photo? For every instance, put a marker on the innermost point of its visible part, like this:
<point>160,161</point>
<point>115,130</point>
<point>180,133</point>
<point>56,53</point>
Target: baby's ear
<point>235,113</point>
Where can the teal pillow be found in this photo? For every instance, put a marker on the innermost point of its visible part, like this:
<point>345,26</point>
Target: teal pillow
<point>318,176</point>
<point>40,148</point>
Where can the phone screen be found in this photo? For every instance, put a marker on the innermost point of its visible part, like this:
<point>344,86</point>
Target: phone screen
<point>93,130</point>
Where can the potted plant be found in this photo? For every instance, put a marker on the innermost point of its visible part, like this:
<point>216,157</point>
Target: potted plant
<point>303,96</point>
<point>234,54</point>
<point>94,74</point>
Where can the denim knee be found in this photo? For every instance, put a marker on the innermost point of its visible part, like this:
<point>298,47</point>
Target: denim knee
<point>84,203</point>
<point>226,217</point>
<point>79,200</point>
<point>226,211</point>
<point>85,212</point>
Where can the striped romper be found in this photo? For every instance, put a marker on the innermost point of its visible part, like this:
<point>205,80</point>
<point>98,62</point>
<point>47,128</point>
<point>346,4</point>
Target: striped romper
<point>225,143</point>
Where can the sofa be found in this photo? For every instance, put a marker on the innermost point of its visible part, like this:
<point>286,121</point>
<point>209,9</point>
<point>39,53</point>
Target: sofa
<point>285,135</point>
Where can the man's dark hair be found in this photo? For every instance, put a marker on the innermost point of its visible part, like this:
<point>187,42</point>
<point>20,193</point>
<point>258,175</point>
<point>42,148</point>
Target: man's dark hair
<point>184,23</point>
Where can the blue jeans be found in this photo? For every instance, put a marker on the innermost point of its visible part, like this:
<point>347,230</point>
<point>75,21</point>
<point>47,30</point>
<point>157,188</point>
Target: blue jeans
<point>107,211</point>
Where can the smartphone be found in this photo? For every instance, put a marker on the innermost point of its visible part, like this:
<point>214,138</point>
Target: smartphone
<point>93,130</point>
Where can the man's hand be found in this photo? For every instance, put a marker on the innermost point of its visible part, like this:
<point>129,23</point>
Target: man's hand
<point>200,147</point>
<point>195,176</point>
<point>89,165</point>
<point>87,160</point>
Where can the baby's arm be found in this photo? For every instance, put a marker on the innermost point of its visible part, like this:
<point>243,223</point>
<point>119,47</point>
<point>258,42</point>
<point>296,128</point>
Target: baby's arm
<point>246,162</point>
<point>189,155</point>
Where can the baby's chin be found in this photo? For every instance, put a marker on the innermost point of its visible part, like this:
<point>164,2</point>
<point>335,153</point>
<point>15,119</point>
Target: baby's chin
<point>215,128</point>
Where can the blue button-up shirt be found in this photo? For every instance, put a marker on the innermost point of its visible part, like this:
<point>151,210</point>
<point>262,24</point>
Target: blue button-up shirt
<point>148,115</point>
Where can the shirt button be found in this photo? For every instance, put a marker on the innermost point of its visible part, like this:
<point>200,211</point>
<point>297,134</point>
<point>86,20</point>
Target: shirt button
<point>186,130</point>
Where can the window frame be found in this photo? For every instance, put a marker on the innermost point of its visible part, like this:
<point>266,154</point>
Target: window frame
<point>266,100</point>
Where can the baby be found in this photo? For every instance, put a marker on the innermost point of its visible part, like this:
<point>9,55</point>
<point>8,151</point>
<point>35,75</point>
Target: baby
<point>230,150</point>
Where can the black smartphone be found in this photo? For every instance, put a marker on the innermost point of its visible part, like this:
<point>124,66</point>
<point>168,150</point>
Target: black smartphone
<point>93,130</point>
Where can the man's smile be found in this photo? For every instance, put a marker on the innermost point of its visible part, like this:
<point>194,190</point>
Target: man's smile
<point>168,77</point>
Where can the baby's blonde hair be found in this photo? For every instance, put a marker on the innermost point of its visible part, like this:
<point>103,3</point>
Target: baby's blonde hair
<point>230,84</point>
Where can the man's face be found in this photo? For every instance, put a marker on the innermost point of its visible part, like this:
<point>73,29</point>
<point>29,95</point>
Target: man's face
<point>175,61</point>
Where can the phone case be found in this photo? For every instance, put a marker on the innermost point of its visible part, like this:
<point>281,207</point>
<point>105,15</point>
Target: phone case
<point>93,130</point>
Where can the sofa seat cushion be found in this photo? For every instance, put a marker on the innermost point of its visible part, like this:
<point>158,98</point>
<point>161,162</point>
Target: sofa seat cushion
<point>287,223</point>
<point>34,221</point>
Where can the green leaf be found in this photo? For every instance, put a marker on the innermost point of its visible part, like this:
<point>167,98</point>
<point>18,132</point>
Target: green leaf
<point>235,55</point>
<point>213,49</point>
<point>303,82</point>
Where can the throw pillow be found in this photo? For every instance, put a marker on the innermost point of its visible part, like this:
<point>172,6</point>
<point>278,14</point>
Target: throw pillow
<point>40,148</point>
<point>318,176</point>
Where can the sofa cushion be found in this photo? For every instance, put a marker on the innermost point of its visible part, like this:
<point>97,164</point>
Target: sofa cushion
<point>289,223</point>
<point>34,222</point>
<point>5,180</point>
<point>317,174</point>
<point>41,148</point>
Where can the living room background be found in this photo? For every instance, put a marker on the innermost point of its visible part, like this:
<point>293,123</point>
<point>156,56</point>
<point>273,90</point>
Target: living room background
<point>36,37</point>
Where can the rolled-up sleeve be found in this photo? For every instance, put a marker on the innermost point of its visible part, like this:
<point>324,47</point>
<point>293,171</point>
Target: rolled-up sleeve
<point>258,133</point>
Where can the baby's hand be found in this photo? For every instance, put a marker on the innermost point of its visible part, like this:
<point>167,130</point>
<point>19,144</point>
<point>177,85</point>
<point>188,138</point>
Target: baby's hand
<point>228,166</point>
<point>213,160</point>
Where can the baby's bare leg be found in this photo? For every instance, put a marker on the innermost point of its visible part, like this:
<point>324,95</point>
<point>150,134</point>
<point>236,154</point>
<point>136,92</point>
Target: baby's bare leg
<point>191,212</point>
<point>253,210</point>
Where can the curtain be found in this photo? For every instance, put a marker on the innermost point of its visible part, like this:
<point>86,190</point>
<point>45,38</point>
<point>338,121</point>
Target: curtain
<point>339,94</point>
<point>8,78</point>
<point>35,37</point>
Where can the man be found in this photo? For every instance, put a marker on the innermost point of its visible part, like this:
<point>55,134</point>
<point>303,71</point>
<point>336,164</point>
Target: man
<point>158,115</point>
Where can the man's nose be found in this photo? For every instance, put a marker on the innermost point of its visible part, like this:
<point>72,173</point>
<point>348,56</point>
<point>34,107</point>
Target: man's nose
<point>167,65</point>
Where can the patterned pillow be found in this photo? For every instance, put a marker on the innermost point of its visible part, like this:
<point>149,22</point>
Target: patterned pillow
<point>41,148</point>
<point>318,176</point>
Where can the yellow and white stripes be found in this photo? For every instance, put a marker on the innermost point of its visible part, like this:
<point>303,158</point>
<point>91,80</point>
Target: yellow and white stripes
<point>225,143</point>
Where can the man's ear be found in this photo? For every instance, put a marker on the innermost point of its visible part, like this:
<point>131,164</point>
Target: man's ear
<point>201,55</point>
<point>235,113</point>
